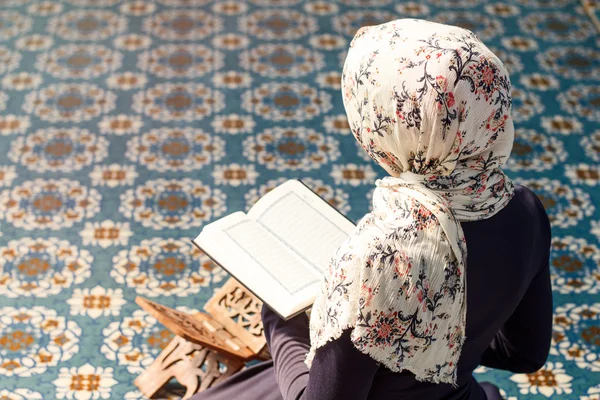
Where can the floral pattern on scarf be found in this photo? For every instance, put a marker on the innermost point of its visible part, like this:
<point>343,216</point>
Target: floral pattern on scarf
<point>431,105</point>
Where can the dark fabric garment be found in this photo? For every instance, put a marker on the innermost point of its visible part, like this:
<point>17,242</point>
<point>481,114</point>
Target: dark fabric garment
<point>509,321</point>
<point>491,391</point>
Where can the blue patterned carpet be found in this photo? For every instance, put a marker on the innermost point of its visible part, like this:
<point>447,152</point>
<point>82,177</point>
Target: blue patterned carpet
<point>127,125</point>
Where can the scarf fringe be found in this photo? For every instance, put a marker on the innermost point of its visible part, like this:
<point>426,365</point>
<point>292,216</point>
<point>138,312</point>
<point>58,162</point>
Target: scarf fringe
<point>419,374</point>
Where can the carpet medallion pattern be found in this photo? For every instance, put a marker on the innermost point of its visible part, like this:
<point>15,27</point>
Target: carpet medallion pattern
<point>126,125</point>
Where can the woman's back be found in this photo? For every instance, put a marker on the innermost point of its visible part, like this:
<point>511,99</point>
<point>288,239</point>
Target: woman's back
<point>509,302</point>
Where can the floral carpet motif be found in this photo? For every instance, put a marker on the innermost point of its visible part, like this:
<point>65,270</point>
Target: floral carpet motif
<point>126,125</point>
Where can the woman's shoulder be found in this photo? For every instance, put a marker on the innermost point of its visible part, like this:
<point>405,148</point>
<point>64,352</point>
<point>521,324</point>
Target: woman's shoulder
<point>527,198</point>
<point>530,205</point>
<point>524,215</point>
<point>522,219</point>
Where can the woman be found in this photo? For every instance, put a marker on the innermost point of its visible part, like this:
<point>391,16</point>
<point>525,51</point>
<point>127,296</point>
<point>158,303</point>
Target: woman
<point>450,269</point>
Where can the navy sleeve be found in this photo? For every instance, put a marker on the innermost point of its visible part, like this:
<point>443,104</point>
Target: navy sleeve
<point>523,342</point>
<point>339,371</point>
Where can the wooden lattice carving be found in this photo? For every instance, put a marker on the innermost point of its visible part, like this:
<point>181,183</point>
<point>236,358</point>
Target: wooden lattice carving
<point>195,367</point>
<point>209,347</point>
<point>238,311</point>
<point>200,329</point>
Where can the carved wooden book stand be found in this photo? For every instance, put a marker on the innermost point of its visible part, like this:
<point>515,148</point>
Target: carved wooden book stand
<point>209,347</point>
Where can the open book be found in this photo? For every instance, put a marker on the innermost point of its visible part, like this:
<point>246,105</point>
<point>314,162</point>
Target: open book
<point>280,249</point>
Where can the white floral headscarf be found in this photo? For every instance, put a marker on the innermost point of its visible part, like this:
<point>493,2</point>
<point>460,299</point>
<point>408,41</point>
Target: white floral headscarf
<point>430,103</point>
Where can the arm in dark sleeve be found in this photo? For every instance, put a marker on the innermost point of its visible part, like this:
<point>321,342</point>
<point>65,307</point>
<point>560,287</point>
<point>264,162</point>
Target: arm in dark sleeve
<point>339,370</point>
<point>522,344</point>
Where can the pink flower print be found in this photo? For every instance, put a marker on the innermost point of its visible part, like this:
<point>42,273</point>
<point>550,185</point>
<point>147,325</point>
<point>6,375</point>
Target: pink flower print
<point>462,113</point>
<point>494,124</point>
<point>369,294</point>
<point>401,265</point>
<point>459,137</point>
<point>454,337</point>
<point>487,75</point>
<point>424,212</point>
<point>450,99</point>
<point>385,330</point>
<point>388,159</point>
<point>482,182</point>
<point>440,107</point>
<point>442,82</point>
<point>456,146</point>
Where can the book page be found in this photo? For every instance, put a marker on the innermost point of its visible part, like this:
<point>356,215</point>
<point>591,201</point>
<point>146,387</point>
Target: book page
<point>304,222</point>
<point>273,256</point>
<point>259,261</point>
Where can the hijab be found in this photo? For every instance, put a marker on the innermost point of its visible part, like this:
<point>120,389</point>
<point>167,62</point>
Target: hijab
<point>430,103</point>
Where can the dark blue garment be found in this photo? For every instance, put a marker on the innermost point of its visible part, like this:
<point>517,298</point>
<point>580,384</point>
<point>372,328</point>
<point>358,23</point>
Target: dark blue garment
<point>509,325</point>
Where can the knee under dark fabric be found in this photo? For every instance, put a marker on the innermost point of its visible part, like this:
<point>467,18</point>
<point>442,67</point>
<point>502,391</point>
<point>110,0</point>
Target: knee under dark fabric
<point>491,391</point>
